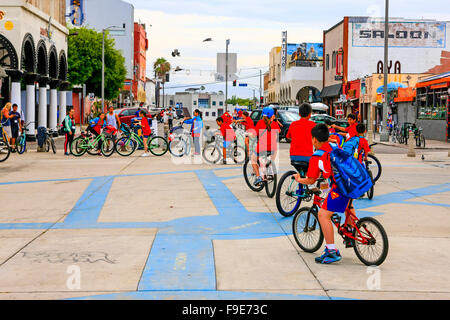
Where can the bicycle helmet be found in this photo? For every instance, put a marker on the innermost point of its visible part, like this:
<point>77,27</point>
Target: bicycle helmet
<point>268,112</point>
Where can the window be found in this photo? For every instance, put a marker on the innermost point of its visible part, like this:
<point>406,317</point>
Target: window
<point>221,103</point>
<point>213,103</point>
<point>327,62</point>
<point>203,103</point>
<point>195,102</point>
<point>255,115</point>
<point>333,60</point>
<point>213,114</point>
<point>432,104</point>
<point>207,114</point>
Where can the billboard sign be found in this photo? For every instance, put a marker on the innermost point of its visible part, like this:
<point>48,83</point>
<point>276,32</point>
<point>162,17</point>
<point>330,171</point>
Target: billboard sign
<point>221,63</point>
<point>77,12</point>
<point>423,34</point>
<point>305,54</point>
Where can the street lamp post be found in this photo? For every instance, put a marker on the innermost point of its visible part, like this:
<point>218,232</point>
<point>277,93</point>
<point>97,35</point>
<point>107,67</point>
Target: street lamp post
<point>384,136</point>
<point>226,75</point>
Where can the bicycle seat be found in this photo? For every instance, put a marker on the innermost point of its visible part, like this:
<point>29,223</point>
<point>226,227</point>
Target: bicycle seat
<point>300,166</point>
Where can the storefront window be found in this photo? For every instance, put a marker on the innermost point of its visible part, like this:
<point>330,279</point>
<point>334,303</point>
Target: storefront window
<point>432,105</point>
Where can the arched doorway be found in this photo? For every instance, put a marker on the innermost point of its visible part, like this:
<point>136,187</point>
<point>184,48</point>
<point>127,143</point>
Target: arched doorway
<point>53,65</point>
<point>28,56</point>
<point>308,94</point>
<point>42,60</point>
<point>62,75</point>
<point>8,61</point>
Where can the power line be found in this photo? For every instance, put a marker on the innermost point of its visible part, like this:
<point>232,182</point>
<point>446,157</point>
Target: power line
<point>209,83</point>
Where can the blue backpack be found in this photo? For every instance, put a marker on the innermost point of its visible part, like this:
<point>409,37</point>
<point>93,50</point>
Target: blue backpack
<point>351,146</point>
<point>349,175</point>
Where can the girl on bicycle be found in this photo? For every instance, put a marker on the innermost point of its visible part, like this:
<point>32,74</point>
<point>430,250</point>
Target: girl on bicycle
<point>95,127</point>
<point>146,131</point>
<point>196,129</point>
<point>267,130</point>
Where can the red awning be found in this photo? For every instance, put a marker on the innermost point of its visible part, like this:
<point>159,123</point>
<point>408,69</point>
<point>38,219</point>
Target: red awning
<point>440,86</point>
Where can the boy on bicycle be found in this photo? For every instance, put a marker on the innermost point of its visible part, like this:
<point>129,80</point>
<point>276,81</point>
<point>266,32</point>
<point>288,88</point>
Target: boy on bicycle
<point>228,136</point>
<point>249,130</point>
<point>350,131</point>
<point>300,134</point>
<point>363,147</point>
<point>267,130</point>
<point>335,202</point>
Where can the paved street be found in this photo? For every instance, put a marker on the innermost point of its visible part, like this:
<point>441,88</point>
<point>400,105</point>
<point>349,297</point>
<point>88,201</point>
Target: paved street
<point>147,228</point>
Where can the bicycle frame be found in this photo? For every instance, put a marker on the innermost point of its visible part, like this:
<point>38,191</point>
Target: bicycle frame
<point>90,144</point>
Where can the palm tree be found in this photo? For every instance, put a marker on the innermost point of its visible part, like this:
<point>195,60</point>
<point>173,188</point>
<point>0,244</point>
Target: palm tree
<point>161,67</point>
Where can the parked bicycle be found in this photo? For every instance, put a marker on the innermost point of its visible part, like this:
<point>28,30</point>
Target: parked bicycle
<point>21,141</point>
<point>49,141</point>
<point>212,153</point>
<point>268,173</point>
<point>87,143</point>
<point>367,236</point>
<point>130,141</point>
<point>5,149</point>
<point>180,141</point>
<point>420,138</point>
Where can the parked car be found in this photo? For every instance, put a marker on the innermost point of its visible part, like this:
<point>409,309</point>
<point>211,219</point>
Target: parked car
<point>125,115</point>
<point>320,118</point>
<point>285,117</point>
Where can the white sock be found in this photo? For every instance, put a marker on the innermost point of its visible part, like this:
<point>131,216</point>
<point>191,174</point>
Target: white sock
<point>331,246</point>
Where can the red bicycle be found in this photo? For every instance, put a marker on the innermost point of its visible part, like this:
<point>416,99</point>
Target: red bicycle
<point>366,235</point>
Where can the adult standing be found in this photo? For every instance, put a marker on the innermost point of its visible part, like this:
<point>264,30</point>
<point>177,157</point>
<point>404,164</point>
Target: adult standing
<point>170,115</point>
<point>16,126</point>
<point>69,130</point>
<point>6,120</point>
<point>196,129</point>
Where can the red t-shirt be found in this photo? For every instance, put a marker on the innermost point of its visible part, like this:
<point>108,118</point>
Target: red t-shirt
<point>227,118</point>
<point>267,141</point>
<point>240,113</point>
<point>146,131</point>
<point>363,146</point>
<point>301,139</point>
<point>318,164</point>
<point>351,130</point>
<point>227,132</point>
<point>248,123</point>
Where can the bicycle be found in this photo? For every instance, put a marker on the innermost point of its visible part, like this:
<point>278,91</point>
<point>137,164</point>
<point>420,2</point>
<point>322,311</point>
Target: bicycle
<point>290,193</point>
<point>130,141</point>
<point>5,149</point>
<point>212,153</point>
<point>268,172</point>
<point>374,165</point>
<point>420,138</point>
<point>86,143</point>
<point>180,141</point>
<point>21,141</point>
<point>366,235</point>
<point>49,142</point>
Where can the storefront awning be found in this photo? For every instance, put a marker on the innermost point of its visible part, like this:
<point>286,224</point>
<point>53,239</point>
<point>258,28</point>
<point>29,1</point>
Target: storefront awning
<point>331,91</point>
<point>440,86</point>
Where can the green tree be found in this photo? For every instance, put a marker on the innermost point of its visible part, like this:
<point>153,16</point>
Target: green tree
<point>161,67</point>
<point>235,101</point>
<point>85,62</point>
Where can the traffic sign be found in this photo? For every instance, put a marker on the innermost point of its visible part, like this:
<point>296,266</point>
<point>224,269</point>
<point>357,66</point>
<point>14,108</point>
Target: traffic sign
<point>243,84</point>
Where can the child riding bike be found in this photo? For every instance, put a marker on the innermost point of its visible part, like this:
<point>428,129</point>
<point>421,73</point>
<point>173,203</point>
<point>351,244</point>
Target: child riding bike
<point>335,201</point>
<point>267,130</point>
<point>228,136</point>
<point>250,133</point>
<point>301,140</point>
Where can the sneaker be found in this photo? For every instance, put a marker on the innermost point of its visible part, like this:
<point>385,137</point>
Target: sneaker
<point>145,155</point>
<point>329,256</point>
<point>258,181</point>
<point>67,154</point>
<point>224,162</point>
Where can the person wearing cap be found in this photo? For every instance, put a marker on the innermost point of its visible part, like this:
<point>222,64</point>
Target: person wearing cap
<point>267,130</point>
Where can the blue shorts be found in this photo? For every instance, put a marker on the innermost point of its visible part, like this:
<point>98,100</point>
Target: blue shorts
<point>226,144</point>
<point>335,202</point>
<point>146,137</point>
<point>300,158</point>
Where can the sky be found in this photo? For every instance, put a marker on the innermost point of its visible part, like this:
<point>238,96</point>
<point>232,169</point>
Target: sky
<point>253,27</point>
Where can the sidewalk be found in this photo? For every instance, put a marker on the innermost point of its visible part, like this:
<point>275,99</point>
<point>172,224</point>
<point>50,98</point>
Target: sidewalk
<point>430,144</point>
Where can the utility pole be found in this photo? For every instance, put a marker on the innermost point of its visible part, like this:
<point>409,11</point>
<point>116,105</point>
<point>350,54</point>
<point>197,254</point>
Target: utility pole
<point>260,87</point>
<point>226,75</point>
<point>384,136</point>
<point>103,69</point>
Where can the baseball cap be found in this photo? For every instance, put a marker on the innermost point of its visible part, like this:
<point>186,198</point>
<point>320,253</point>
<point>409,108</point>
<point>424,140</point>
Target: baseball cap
<point>268,112</point>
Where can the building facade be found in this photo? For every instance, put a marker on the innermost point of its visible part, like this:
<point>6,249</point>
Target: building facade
<point>33,42</point>
<point>354,49</point>
<point>212,104</point>
<point>140,62</point>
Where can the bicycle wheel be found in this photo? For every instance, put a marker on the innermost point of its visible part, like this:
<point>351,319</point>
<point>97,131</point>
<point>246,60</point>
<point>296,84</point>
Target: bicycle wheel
<point>108,146</point>
<point>308,235</point>
<point>177,147</point>
<point>271,182</point>
<point>47,145</point>
<point>158,146</point>
<point>371,190</point>
<point>287,202</point>
<point>211,154</point>
<point>52,142</point>
<point>77,148</point>
<point>250,177</point>
<point>4,151</point>
<point>21,144</point>
<point>239,155</point>
<point>375,251</point>
<point>375,167</point>
<point>125,146</point>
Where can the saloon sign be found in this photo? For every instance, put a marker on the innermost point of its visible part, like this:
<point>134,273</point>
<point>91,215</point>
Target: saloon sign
<point>401,34</point>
